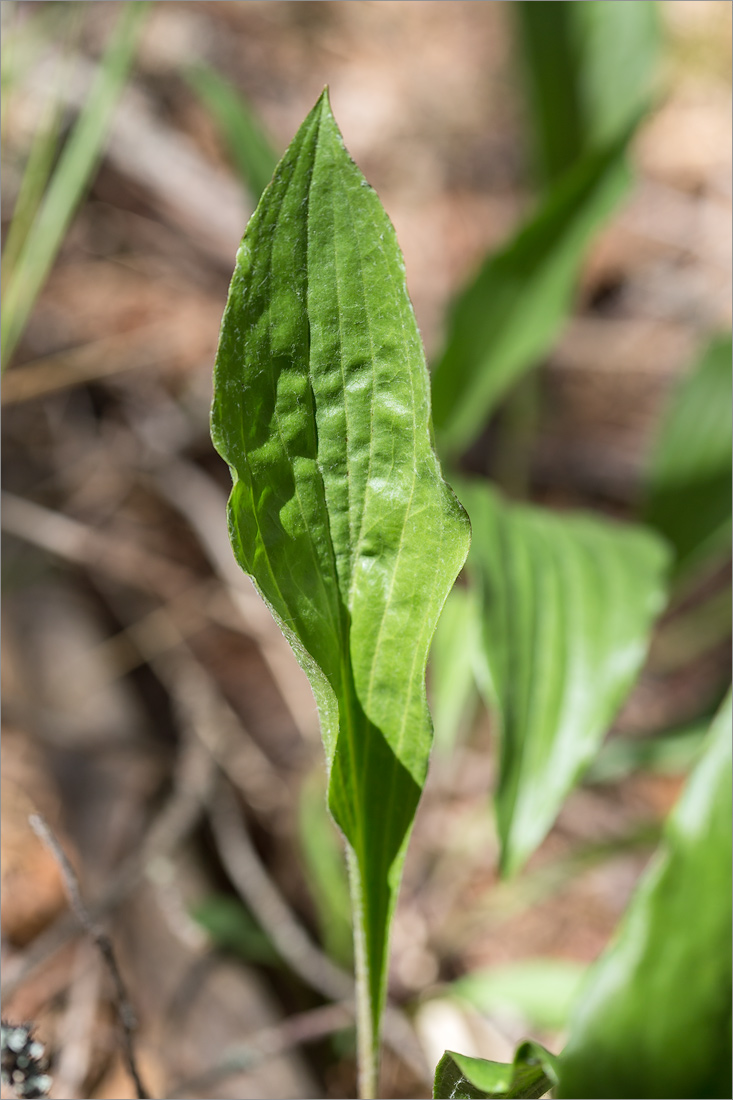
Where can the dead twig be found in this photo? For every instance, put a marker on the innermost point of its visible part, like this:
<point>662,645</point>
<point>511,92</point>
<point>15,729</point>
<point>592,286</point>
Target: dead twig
<point>202,503</point>
<point>175,821</point>
<point>77,1030</point>
<point>145,347</point>
<point>82,545</point>
<point>150,572</point>
<point>245,869</point>
<point>304,1027</point>
<point>123,1005</point>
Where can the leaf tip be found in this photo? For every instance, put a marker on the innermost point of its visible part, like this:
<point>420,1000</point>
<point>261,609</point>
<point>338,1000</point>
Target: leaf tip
<point>323,103</point>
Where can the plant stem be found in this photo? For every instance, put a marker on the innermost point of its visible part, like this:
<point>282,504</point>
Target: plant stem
<point>367,1040</point>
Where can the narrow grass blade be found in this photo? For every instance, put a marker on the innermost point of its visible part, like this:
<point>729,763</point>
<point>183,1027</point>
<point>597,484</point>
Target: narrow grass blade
<point>530,1075</point>
<point>339,511</point>
<point>70,178</point>
<point>688,494</point>
<point>654,1017</point>
<point>507,318</point>
<point>249,147</point>
<point>568,605</point>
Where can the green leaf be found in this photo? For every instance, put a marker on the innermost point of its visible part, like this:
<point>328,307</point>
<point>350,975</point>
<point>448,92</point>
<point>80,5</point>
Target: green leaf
<point>453,693</point>
<point>71,176</point>
<point>507,318</point>
<point>339,512</point>
<point>588,71</point>
<point>541,991</point>
<point>689,481</point>
<point>654,1019</point>
<point>323,856</point>
<point>568,604</point>
<point>671,752</point>
<point>531,1074</point>
<point>248,144</point>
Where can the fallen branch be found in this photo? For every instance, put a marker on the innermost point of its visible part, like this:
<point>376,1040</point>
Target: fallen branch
<point>125,1011</point>
<point>303,1027</point>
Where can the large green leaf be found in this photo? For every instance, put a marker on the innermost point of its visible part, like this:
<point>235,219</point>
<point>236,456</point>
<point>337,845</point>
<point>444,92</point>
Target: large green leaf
<point>508,317</point>
<point>568,604</point>
<point>532,1073</point>
<point>654,1019</point>
<point>588,71</point>
<point>339,511</point>
<point>689,482</point>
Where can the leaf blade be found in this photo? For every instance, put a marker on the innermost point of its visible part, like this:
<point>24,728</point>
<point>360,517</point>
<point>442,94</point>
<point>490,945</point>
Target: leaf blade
<point>507,317</point>
<point>588,71</point>
<point>338,508</point>
<point>568,602</point>
<point>633,1034</point>
<point>530,1075</point>
<point>688,496</point>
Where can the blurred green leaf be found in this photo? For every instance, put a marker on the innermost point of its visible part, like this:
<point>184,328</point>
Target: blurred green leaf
<point>507,318</point>
<point>35,177</point>
<point>70,178</point>
<point>654,1018</point>
<point>530,1075</point>
<point>668,753</point>
<point>453,693</point>
<point>323,853</point>
<point>689,481</point>
<point>541,991</point>
<point>28,40</point>
<point>249,147</point>
<point>231,927</point>
<point>588,70</point>
<point>568,602</point>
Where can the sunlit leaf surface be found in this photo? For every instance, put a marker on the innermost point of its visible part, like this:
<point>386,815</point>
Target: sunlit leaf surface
<point>339,511</point>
